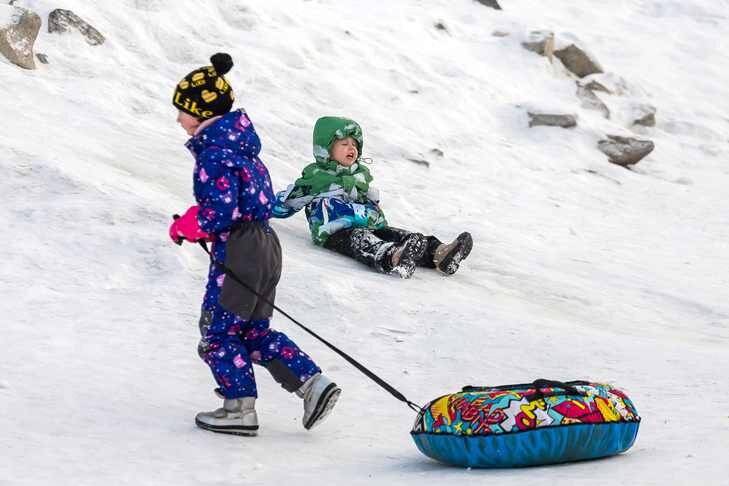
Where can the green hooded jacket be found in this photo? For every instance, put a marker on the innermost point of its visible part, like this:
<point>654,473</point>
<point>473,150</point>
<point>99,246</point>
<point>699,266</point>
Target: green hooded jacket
<point>319,176</point>
<point>336,197</point>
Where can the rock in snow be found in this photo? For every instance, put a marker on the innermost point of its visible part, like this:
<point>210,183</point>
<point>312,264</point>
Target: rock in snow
<point>63,20</point>
<point>578,61</point>
<point>552,120</point>
<point>490,3</point>
<point>591,101</point>
<point>625,151</point>
<point>644,115</point>
<point>18,30</point>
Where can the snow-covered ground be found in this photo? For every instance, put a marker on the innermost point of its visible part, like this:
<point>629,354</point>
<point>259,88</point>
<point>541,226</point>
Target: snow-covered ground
<point>581,269</point>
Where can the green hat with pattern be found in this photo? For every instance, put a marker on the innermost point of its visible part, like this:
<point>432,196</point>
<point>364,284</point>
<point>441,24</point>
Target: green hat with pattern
<point>330,128</point>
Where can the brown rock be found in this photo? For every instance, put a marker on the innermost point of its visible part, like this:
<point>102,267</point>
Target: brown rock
<point>591,101</point>
<point>538,41</point>
<point>644,115</point>
<point>577,61</point>
<point>552,120</point>
<point>625,151</point>
<point>596,86</point>
<point>18,37</point>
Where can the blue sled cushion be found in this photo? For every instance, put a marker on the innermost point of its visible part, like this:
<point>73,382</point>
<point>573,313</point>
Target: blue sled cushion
<point>517,408</point>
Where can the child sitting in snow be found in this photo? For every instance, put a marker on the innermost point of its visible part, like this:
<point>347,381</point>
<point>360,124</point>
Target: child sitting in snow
<point>344,213</point>
<point>234,202</point>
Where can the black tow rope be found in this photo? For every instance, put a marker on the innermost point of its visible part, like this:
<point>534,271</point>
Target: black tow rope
<point>352,361</point>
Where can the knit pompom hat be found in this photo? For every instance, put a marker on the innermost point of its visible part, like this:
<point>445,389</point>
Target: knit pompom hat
<point>205,93</point>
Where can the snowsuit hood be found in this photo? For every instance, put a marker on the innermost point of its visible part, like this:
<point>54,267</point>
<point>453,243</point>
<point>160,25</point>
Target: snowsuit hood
<point>330,128</point>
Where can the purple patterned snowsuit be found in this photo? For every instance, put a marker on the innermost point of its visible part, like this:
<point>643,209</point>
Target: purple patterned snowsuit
<point>232,187</point>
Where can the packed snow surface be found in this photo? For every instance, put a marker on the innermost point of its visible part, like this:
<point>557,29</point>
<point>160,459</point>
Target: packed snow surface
<point>580,270</point>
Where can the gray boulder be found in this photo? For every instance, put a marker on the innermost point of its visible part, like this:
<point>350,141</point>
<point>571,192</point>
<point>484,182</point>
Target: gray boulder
<point>490,3</point>
<point>610,83</point>
<point>552,120</point>
<point>19,28</point>
<point>437,152</point>
<point>440,26</point>
<point>591,101</point>
<point>64,20</point>
<point>577,61</point>
<point>625,151</point>
<point>539,41</point>
<point>644,115</point>
<point>597,86</point>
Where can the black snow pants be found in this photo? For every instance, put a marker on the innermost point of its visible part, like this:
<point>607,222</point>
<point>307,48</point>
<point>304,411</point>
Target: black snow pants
<point>374,248</point>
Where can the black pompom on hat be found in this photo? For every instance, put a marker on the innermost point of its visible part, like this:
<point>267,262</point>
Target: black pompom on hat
<point>205,93</point>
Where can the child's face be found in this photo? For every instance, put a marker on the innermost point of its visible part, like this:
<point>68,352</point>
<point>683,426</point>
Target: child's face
<point>344,151</point>
<point>188,122</point>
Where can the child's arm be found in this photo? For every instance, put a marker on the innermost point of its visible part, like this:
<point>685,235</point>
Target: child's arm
<point>280,208</point>
<point>291,201</point>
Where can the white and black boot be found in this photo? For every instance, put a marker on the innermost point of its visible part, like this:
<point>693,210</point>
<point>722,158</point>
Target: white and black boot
<point>448,256</point>
<point>319,394</point>
<point>238,416</point>
<point>406,255</point>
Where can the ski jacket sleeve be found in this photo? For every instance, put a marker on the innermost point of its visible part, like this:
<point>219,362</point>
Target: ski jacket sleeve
<point>291,201</point>
<point>217,188</point>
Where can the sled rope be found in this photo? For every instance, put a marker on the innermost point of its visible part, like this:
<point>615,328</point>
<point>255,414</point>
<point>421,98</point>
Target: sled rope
<point>369,374</point>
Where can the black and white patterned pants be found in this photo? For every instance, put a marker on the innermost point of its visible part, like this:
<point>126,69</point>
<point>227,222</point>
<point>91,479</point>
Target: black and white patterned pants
<point>374,247</point>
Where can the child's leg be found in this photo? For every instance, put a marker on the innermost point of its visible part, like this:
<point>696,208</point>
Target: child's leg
<point>293,369</point>
<point>427,259</point>
<point>231,307</point>
<point>225,353</point>
<point>223,350</point>
<point>441,256</point>
<point>288,365</point>
<point>364,246</point>
<point>220,346</point>
<point>397,235</point>
<point>448,257</point>
<point>390,233</point>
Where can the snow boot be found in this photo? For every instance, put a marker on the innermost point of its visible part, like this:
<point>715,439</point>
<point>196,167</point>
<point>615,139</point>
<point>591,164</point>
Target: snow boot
<point>405,256</point>
<point>448,256</point>
<point>238,416</point>
<point>319,394</point>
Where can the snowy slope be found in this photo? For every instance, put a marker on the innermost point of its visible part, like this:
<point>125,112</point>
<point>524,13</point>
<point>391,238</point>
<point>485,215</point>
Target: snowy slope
<point>580,270</point>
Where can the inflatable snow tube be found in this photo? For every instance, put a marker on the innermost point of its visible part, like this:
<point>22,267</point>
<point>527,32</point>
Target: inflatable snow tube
<point>544,422</point>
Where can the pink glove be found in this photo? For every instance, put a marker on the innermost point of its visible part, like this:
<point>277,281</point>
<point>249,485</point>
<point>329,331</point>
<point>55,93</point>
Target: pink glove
<point>186,227</point>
